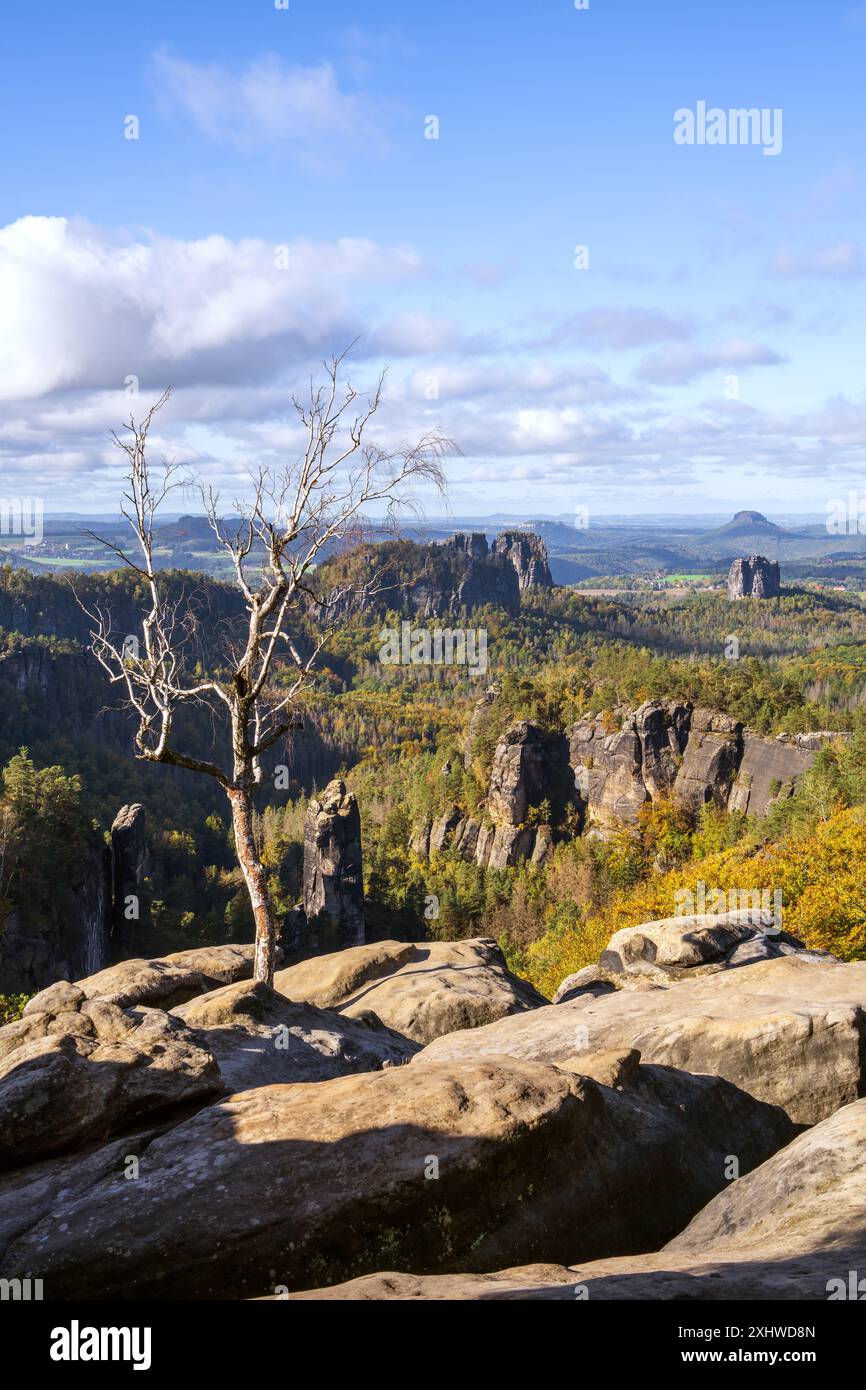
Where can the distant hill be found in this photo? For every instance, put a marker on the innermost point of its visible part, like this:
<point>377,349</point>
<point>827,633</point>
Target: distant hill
<point>748,524</point>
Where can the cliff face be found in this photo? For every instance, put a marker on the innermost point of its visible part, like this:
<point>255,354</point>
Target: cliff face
<point>68,943</point>
<point>528,554</point>
<point>529,768</point>
<point>695,754</point>
<point>128,854</point>
<point>333,878</point>
<point>756,577</point>
<point>442,580</point>
<point>496,574</point>
<point>604,777</point>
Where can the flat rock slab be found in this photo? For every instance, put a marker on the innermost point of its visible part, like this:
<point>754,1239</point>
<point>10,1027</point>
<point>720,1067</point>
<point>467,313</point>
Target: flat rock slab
<point>467,1166</point>
<point>163,982</point>
<point>259,1038</point>
<point>328,980</point>
<point>788,1031</point>
<point>84,1072</point>
<point>793,1228</point>
<point>812,1194</point>
<point>421,991</point>
<point>760,1276</point>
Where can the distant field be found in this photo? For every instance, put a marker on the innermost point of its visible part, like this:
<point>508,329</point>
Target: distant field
<point>686,578</point>
<point>81,563</point>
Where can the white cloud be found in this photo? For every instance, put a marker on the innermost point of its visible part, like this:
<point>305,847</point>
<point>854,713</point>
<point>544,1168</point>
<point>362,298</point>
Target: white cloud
<point>85,308</point>
<point>509,381</point>
<point>303,109</point>
<point>619,328</point>
<point>678,364</point>
<point>842,261</point>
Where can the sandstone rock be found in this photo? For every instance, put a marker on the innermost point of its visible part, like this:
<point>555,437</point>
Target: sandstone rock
<point>608,772</point>
<point>696,754</point>
<point>756,577</point>
<point>712,1277</point>
<point>811,1195</point>
<point>590,980</point>
<point>528,554</point>
<point>444,830</point>
<point>614,1069</point>
<point>793,1228</point>
<point>477,579</point>
<point>128,857</point>
<point>476,720</point>
<point>543,846</point>
<point>57,998</point>
<point>484,844</point>
<point>710,761</point>
<point>259,1038</point>
<point>292,1185</point>
<point>511,844</point>
<point>467,843</point>
<point>82,1073</point>
<point>471,543</point>
<point>420,842</point>
<point>663,732</point>
<point>674,947</point>
<point>419,990</point>
<point>788,1031</point>
<point>528,1282</point>
<point>327,981</point>
<point>517,774</point>
<point>163,982</point>
<point>333,878</point>
<point>767,772</point>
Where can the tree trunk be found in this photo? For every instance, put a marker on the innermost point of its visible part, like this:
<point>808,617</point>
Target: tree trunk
<point>257,885</point>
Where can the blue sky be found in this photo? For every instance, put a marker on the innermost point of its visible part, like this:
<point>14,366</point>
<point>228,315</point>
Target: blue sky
<point>711,354</point>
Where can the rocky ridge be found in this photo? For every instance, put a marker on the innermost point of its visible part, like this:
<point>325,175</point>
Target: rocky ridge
<point>605,775</point>
<point>418,1108</point>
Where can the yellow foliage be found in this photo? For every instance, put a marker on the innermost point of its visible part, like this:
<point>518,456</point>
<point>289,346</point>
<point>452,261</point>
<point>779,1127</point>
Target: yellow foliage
<point>820,877</point>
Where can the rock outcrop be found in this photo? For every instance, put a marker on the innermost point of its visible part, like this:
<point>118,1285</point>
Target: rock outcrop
<point>675,949</point>
<point>483,579</point>
<point>333,876</point>
<point>282,1143</point>
<point>517,776</point>
<point>710,760</point>
<point>476,720</point>
<point>163,982</point>
<point>128,859</point>
<point>464,1167</point>
<point>769,768</point>
<point>260,1038</point>
<point>84,1068</point>
<point>528,554</point>
<point>421,991</point>
<point>788,1031</point>
<point>692,753</point>
<point>68,938</point>
<point>528,768</point>
<point>756,577</point>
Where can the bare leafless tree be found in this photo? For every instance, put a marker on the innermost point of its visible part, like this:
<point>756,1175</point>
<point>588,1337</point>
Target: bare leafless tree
<point>298,513</point>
